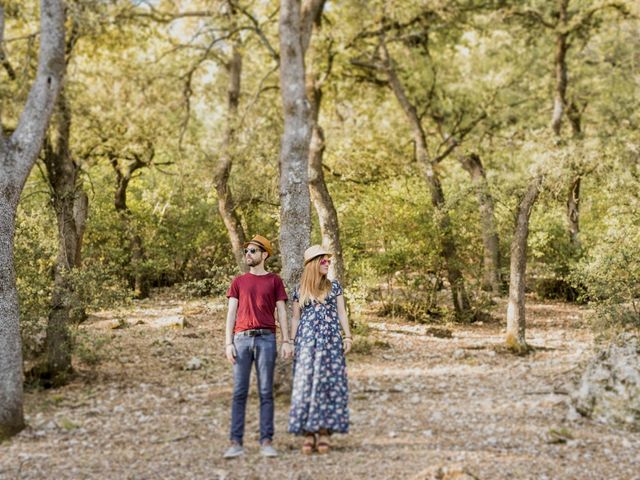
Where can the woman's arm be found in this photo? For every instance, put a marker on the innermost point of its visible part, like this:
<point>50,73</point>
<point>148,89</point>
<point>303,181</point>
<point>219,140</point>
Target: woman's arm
<point>344,323</point>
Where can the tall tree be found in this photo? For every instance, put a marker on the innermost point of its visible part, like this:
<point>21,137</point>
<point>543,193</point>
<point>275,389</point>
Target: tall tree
<point>125,167</point>
<point>516,320</point>
<point>70,204</point>
<point>295,27</point>
<point>568,26</point>
<point>456,281</point>
<point>18,153</point>
<point>226,205</point>
<point>491,258</point>
<point>320,196</point>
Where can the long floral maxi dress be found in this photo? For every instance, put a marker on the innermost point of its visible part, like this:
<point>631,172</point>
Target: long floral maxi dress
<point>320,394</point>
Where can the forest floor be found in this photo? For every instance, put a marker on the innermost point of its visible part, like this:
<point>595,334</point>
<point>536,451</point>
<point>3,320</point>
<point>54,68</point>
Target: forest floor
<point>422,407</point>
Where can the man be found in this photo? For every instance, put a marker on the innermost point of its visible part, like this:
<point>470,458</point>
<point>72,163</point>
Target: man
<point>250,338</point>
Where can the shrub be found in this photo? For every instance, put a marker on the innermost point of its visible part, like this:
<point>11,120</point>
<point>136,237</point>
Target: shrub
<point>611,278</point>
<point>215,283</point>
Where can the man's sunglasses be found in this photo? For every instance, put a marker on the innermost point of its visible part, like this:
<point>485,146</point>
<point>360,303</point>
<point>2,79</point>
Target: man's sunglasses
<point>251,250</point>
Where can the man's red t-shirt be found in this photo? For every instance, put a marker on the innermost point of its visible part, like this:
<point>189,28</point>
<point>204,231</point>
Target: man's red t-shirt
<point>257,296</point>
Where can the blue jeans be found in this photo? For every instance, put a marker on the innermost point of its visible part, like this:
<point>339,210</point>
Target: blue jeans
<point>262,351</point>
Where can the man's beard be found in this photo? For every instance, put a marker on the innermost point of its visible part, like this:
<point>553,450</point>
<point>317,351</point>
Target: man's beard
<point>251,262</point>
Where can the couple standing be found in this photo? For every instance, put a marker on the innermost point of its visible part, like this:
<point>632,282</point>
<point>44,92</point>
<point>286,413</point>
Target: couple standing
<point>319,394</point>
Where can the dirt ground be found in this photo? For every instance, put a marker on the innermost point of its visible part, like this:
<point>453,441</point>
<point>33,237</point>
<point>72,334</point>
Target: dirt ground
<point>422,407</point>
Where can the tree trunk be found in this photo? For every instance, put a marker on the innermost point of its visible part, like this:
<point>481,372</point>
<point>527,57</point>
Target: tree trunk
<point>62,173</point>
<point>515,337</point>
<point>17,156</point>
<point>137,279</point>
<point>491,259</point>
<point>320,196</point>
<point>560,64</point>
<point>295,214</point>
<point>11,414</point>
<point>560,108</point>
<point>323,203</point>
<point>295,27</point>
<point>573,198</point>
<point>573,212</point>
<point>559,101</point>
<point>460,300</point>
<point>225,199</point>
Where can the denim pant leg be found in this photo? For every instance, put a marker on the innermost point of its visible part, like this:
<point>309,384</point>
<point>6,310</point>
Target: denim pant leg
<point>241,377</point>
<point>265,350</point>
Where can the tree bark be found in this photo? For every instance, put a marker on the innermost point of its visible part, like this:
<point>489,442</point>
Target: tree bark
<point>561,107</point>
<point>323,203</point>
<point>491,258</point>
<point>459,296</point>
<point>295,214</point>
<point>320,196</point>
<point>17,156</point>
<point>559,100</point>
<point>62,173</point>
<point>573,211</point>
<point>515,337</point>
<point>226,205</point>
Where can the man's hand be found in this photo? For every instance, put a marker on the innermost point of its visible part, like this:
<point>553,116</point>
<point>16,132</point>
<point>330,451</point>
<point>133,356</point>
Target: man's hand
<point>287,350</point>
<point>230,351</point>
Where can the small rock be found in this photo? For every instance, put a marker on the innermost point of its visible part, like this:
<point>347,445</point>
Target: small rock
<point>459,354</point>
<point>172,321</point>
<point>194,364</point>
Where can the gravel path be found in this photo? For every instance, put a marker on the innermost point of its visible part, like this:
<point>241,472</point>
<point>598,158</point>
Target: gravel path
<point>422,407</point>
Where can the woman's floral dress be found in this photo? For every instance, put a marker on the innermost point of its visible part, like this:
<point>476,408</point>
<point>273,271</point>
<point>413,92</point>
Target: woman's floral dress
<point>319,397</point>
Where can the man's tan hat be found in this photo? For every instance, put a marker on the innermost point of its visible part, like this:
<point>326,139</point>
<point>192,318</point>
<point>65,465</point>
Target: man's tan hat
<point>315,251</point>
<point>262,242</point>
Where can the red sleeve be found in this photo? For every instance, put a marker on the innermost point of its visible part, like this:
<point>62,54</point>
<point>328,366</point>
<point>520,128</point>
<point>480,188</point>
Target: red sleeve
<point>281,293</point>
<point>233,289</point>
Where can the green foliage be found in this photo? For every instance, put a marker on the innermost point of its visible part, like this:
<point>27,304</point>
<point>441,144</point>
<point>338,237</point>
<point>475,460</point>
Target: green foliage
<point>140,88</point>
<point>611,275</point>
<point>34,251</point>
<point>215,283</point>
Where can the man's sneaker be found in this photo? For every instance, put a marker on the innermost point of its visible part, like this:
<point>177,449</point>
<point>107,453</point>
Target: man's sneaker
<point>267,450</point>
<point>233,451</point>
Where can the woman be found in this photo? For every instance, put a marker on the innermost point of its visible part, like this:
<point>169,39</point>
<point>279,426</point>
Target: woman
<point>319,396</point>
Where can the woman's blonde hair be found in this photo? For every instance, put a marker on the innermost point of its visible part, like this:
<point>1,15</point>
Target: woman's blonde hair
<point>314,286</point>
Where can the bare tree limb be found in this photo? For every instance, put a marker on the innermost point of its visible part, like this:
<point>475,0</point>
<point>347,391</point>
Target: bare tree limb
<point>258,29</point>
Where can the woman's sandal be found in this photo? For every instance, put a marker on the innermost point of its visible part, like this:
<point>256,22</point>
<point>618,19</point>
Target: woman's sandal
<point>308,443</point>
<point>323,444</point>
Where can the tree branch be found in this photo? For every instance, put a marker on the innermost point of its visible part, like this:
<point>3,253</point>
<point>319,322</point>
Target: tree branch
<point>258,30</point>
<point>28,136</point>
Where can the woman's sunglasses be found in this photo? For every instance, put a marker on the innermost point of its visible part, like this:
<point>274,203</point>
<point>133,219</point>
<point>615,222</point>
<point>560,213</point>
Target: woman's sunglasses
<point>325,261</point>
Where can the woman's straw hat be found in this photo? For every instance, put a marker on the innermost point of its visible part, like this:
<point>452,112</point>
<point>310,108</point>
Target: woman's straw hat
<point>315,251</point>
